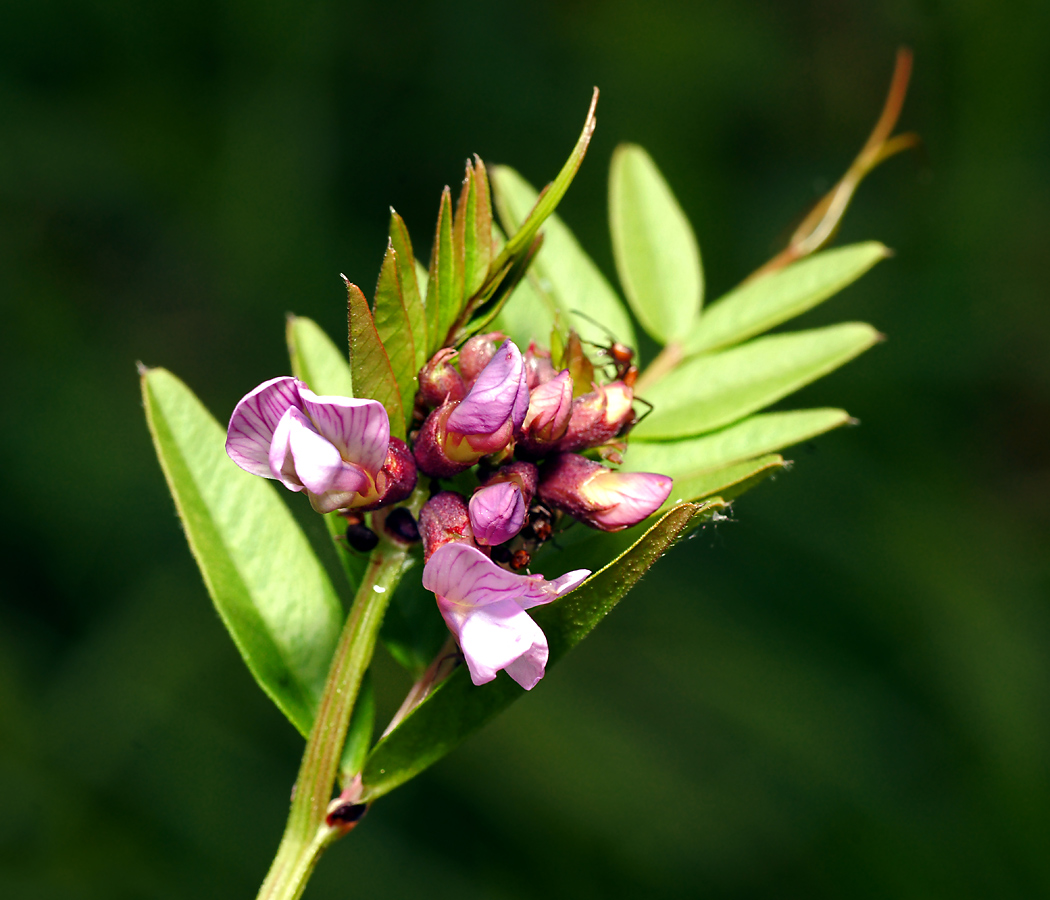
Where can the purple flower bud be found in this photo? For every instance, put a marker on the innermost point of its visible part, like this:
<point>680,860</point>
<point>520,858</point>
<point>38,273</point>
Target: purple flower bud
<point>524,474</point>
<point>598,417</point>
<point>397,479</point>
<point>538,368</point>
<point>484,608</point>
<point>477,353</point>
<point>439,381</point>
<point>604,499</point>
<point>444,519</point>
<point>550,406</point>
<point>332,447</point>
<point>497,513</point>
<point>457,435</point>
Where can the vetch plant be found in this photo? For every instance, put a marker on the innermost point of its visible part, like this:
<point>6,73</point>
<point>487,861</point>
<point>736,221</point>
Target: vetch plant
<point>491,421</point>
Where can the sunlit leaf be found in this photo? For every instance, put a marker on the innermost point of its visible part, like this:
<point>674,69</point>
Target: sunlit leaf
<point>756,306</point>
<point>395,330</point>
<point>727,483</point>
<point>412,289</point>
<point>265,581</point>
<point>563,275</point>
<point>316,360</point>
<point>319,363</point>
<point>444,285</point>
<point>657,257</point>
<point>457,708</point>
<point>707,392</point>
<point>372,373</point>
<point>754,436</point>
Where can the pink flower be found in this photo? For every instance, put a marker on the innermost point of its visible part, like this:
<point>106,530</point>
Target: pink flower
<point>484,607</point>
<point>604,499</point>
<point>550,405</point>
<point>498,507</point>
<point>598,417</point>
<point>335,448</point>
<point>457,435</point>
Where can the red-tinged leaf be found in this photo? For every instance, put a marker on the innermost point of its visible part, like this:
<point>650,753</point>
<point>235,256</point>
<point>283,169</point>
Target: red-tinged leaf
<point>395,330</point>
<point>410,288</point>
<point>442,302</point>
<point>373,376</point>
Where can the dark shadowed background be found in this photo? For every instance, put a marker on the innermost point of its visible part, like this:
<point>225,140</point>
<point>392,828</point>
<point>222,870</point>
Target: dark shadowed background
<point>843,692</point>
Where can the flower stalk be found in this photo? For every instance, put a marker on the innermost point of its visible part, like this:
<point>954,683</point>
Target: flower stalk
<point>306,834</point>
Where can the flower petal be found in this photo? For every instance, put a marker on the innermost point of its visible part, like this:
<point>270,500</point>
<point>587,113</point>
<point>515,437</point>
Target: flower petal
<point>360,429</point>
<point>499,635</point>
<point>497,513</point>
<point>302,458</point>
<point>621,499</point>
<point>255,419</point>
<point>465,575</point>
<point>499,394</point>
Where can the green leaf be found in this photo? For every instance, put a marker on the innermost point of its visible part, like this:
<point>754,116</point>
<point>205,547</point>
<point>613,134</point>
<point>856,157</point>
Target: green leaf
<point>473,228</point>
<point>456,708</point>
<point>443,299</point>
<point>563,276</point>
<point>707,392</point>
<point>316,360</point>
<point>373,375</point>
<point>319,363</point>
<point>657,257</point>
<point>359,732</point>
<point>412,288</point>
<point>549,198</point>
<point>268,586</point>
<point>754,436</point>
<point>727,483</point>
<point>395,330</point>
<point>756,306</point>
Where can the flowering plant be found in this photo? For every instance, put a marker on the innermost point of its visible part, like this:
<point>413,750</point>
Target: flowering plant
<point>492,418</point>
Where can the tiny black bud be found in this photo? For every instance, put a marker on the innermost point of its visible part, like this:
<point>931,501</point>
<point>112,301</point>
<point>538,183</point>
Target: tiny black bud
<point>347,814</point>
<point>501,553</point>
<point>402,526</point>
<point>361,537</point>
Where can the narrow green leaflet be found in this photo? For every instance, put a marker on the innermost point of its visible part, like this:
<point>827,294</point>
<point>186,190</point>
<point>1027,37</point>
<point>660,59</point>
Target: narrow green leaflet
<point>412,289</point>
<point>473,228</point>
<point>563,274</point>
<point>443,300</point>
<point>754,436</point>
<point>268,586</point>
<point>727,483</point>
<point>318,362</point>
<point>549,198</point>
<point>457,708</point>
<point>372,373</point>
<point>707,392</point>
<point>759,305</point>
<point>395,330</point>
<point>657,257</point>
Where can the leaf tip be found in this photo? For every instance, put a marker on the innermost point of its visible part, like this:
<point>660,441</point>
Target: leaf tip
<point>142,368</point>
<point>346,280</point>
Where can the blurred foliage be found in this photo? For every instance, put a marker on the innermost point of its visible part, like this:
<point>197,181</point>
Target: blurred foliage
<point>842,692</point>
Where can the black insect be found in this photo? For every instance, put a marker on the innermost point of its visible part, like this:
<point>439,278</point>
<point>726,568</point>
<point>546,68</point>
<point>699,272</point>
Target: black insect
<point>620,355</point>
<point>402,525</point>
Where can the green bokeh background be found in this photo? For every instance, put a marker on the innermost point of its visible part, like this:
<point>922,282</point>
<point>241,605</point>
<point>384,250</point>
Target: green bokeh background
<point>843,692</point>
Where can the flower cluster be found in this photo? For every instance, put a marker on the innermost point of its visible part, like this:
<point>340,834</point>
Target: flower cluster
<point>522,422</point>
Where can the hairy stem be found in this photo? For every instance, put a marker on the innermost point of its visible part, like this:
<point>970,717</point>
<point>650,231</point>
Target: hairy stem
<point>306,833</point>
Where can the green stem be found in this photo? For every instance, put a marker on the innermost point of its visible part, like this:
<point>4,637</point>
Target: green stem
<point>306,834</point>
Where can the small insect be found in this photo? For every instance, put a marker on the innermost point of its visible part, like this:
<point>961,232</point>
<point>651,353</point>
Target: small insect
<point>620,355</point>
<point>539,527</point>
<point>520,559</point>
